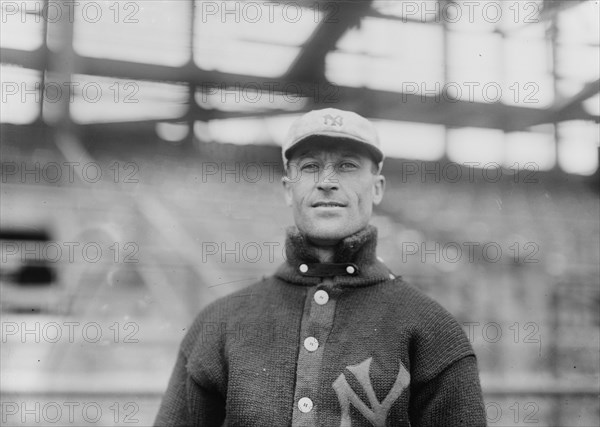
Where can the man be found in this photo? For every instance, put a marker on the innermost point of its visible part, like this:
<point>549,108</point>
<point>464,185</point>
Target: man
<point>333,338</point>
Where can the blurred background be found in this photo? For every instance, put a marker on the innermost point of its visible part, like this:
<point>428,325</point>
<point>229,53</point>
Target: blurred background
<point>141,176</point>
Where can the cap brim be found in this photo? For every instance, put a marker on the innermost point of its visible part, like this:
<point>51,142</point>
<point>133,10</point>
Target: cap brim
<point>375,153</point>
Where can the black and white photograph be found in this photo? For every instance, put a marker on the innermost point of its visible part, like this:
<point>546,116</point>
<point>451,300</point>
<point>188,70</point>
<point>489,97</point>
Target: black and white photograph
<point>308,213</point>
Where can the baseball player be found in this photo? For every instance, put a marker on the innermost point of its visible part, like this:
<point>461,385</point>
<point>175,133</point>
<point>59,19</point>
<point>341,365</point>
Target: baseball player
<point>333,338</point>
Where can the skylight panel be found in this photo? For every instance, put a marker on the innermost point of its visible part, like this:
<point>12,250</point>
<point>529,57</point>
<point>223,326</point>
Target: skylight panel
<point>235,56</point>
<point>580,24</point>
<point>578,147</point>
<point>386,38</point>
<point>369,37</point>
<point>152,32</point>
<point>581,63</point>
<point>592,105</point>
<point>386,74</point>
<point>475,65</point>
<point>105,100</point>
<point>530,150</point>
<point>482,16</point>
<point>481,147</point>
<point>405,140</point>
<point>284,23</point>
<point>21,95</point>
<point>350,69</point>
<point>388,55</point>
<point>22,24</point>
<point>279,126</point>
<point>239,131</point>
<point>576,66</point>
<point>247,130</point>
<point>255,38</point>
<point>519,16</point>
<point>577,53</point>
<point>528,80</point>
<point>172,132</point>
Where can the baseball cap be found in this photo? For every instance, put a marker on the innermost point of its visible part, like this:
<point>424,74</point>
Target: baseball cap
<point>345,126</point>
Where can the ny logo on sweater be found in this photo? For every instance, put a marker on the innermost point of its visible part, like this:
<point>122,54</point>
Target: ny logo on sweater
<point>378,412</point>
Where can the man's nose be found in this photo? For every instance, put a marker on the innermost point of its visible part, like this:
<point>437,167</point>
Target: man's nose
<point>328,179</point>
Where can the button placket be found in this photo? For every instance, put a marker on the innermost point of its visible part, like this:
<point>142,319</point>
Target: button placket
<point>317,322</point>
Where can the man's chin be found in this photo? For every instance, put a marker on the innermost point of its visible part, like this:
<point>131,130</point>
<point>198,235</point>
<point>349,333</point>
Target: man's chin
<point>328,233</point>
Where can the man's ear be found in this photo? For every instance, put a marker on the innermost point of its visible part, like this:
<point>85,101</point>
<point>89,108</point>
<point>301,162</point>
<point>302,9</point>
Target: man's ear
<point>287,190</point>
<point>378,188</point>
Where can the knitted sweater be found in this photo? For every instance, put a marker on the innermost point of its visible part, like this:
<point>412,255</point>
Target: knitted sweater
<point>325,344</point>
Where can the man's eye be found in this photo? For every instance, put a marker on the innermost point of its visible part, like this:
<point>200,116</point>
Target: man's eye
<point>348,166</point>
<point>310,167</point>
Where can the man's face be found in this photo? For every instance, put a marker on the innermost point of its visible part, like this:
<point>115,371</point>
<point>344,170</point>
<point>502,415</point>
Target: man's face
<point>332,187</point>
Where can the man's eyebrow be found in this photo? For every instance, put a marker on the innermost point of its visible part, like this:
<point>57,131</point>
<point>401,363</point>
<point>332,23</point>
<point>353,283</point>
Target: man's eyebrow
<point>303,155</point>
<point>350,154</point>
<point>311,154</point>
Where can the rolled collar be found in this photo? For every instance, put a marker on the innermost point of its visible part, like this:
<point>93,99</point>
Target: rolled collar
<point>354,262</point>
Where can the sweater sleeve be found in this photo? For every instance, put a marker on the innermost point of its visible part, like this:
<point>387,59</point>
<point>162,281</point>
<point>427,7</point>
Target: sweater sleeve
<point>184,397</point>
<point>452,398</point>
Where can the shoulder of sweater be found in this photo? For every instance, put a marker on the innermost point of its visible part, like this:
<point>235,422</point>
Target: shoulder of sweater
<point>428,319</point>
<point>222,306</point>
<point>409,297</point>
<point>438,338</point>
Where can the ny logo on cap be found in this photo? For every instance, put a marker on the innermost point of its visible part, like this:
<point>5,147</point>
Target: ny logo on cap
<point>378,411</point>
<point>330,120</point>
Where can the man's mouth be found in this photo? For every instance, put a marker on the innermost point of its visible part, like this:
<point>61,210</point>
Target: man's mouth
<point>328,204</point>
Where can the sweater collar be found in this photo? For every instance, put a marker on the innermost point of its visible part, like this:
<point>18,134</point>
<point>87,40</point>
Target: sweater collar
<point>354,262</point>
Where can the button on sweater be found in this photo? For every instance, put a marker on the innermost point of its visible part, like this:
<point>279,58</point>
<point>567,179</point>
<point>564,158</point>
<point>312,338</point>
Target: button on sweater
<point>345,343</point>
